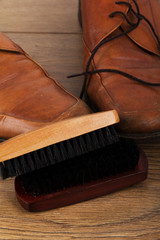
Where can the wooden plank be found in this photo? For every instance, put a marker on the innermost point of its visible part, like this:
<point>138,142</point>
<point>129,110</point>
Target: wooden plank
<point>59,54</point>
<point>39,16</point>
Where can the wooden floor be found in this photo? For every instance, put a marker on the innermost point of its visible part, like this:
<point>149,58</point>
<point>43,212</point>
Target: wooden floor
<point>48,30</point>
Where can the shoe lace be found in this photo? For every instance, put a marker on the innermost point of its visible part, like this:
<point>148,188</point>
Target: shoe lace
<point>139,18</point>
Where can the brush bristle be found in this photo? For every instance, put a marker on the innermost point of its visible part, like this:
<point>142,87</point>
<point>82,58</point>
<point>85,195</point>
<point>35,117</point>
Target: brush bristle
<point>59,152</point>
<point>110,160</point>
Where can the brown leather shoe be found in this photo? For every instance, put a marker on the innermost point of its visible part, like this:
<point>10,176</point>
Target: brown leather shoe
<point>29,97</point>
<point>123,50</point>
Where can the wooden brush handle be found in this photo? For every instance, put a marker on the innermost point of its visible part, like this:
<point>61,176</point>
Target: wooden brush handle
<point>54,133</point>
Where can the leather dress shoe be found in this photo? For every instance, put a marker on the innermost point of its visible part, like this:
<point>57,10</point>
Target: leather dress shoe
<point>122,62</point>
<point>29,97</point>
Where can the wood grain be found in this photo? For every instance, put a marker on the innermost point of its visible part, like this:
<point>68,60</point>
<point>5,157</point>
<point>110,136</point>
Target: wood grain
<point>54,40</point>
<point>42,16</point>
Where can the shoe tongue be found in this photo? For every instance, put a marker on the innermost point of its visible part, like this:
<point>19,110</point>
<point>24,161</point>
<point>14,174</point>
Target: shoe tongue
<point>96,21</point>
<point>97,24</point>
<point>7,45</point>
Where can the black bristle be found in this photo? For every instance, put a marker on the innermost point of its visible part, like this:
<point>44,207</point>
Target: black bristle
<point>29,163</point>
<point>70,149</point>
<point>76,146</point>
<point>9,168</point>
<point>55,154</point>
<point>23,167</point>
<point>84,145</point>
<point>59,152</point>
<point>110,160</point>
<point>62,151</point>
<point>49,155</point>
<point>2,171</point>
